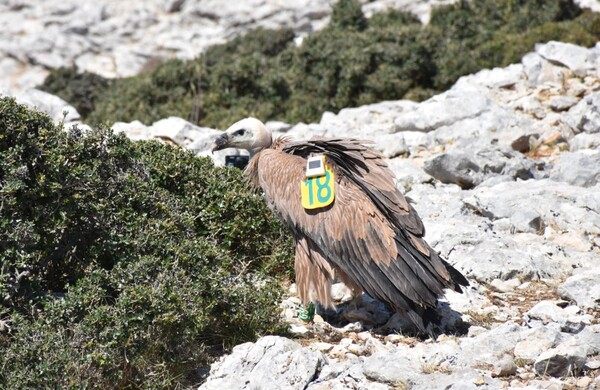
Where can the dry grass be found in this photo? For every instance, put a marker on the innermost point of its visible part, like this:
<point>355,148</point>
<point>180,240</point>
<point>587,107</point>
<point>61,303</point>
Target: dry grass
<point>399,386</point>
<point>430,368</point>
<point>522,300</point>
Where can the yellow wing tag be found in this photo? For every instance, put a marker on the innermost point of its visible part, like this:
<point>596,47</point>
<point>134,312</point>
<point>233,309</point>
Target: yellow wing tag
<point>318,191</point>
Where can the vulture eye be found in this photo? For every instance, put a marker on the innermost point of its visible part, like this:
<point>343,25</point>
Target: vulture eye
<point>240,132</point>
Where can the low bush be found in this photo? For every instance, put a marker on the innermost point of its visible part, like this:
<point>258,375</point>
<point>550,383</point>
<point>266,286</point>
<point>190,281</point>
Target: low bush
<point>124,264</point>
<point>352,61</point>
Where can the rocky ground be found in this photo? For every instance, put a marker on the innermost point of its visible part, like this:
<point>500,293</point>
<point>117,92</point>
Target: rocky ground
<point>504,169</point>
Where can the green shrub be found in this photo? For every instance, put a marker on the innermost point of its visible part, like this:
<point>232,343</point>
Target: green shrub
<point>125,263</point>
<point>347,15</point>
<point>170,89</point>
<point>80,89</point>
<point>352,61</point>
<point>466,37</point>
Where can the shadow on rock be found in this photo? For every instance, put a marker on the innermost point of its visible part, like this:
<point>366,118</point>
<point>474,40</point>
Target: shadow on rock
<point>363,313</point>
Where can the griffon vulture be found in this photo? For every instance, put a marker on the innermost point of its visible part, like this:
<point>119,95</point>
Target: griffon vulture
<point>362,229</point>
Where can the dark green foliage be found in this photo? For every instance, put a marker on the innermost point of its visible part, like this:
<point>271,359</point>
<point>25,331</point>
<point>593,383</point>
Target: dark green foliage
<point>170,89</point>
<point>353,61</point>
<point>123,263</point>
<point>80,89</point>
<point>243,78</point>
<point>347,15</point>
<point>336,68</point>
<point>468,36</point>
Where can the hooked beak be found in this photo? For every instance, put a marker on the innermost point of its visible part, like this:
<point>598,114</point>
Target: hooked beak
<point>220,142</point>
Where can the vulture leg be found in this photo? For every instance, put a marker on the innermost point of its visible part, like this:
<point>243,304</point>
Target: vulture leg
<point>313,275</point>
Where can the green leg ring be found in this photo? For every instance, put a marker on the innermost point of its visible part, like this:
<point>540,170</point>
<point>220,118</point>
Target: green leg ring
<point>307,313</point>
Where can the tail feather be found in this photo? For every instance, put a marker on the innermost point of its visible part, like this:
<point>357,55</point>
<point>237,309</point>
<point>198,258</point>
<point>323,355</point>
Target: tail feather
<point>456,277</point>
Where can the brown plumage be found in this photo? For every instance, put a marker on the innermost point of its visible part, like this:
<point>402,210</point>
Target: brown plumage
<point>370,236</point>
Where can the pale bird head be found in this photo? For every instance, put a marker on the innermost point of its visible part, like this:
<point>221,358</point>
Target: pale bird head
<point>250,134</point>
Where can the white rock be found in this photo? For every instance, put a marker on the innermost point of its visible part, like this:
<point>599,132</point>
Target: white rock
<point>584,141</point>
<point>490,346</point>
<point>52,105</point>
<point>536,341</point>
<point>505,366</point>
<point>546,311</point>
<point>583,288</point>
<point>271,363</point>
<point>504,286</point>
<point>299,330</point>
<point>135,130</point>
<point>340,292</point>
<point>585,115</point>
<point>562,103</point>
<point>578,168</point>
<point>184,133</point>
<point>393,368</point>
<point>445,109</point>
<point>579,59</point>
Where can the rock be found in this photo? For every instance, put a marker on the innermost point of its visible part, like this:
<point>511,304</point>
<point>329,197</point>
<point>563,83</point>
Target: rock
<point>500,78</point>
<point>277,126</point>
<point>585,115</point>
<point>56,108</point>
<point>584,141</point>
<point>536,341</point>
<point>340,293</point>
<point>583,288</point>
<point>299,330</point>
<point>549,313</point>
<point>488,347</point>
<point>584,382</point>
<point>179,132</point>
<point>271,363</point>
<point>577,168</point>
<point>184,133</point>
<point>544,73</point>
<point>468,171</point>
<point>505,367</point>
<point>592,364</point>
<point>408,173</point>
<point>135,130</point>
<point>567,207</point>
<point>526,221</point>
<point>532,66</point>
<point>370,122</point>
<point>322,347</point>
<point>578,59</point>
<point>443,110</point>
<point>504,286</point>
<point>505,259</point>
<point>563,103</point>
<point>594,5</point>
<point>463,379</point>
<point>546,311</point>
<point>589,338</point>
<point>561,361</point>
<point>122,39</point>
<point>391,368</point>
<point>454,168</point>
<point>523,143</point>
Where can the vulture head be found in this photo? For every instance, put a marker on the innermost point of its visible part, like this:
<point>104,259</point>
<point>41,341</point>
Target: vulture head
<point>250,134</point>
